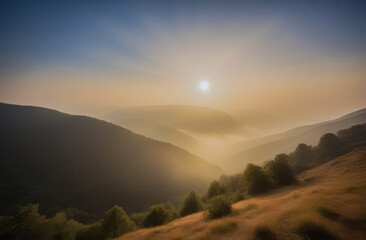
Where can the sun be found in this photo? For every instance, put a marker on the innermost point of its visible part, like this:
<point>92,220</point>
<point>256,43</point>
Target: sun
<point>204,85</point>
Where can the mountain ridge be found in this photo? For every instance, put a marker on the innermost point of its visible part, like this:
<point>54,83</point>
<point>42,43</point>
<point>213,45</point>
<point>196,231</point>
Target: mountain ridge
<point>83,158</point>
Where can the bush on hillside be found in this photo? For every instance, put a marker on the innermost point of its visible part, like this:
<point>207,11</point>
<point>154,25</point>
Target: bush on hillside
<point>138,217</point>
<point>157,215</point>
<point>255,179</point>
<point>116,222</point>
<point>353,134</point>
<point>191,204</point>
<point>302,158</point>
<point>79,215</point>
<point>329,147</point>
<point>29,224</point>
<point>230,183</point>
<point>280,171</point>
<point>215,189</point>
<point>219,206</point>
<point>90,232</point>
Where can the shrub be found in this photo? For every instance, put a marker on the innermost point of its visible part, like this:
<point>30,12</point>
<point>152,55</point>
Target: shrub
<point>353,134</point>
<point>280,171</point>
<point>116,222</point>
<point>230,183</point>
<point>91,232</point>
<point>314,231</point>
<point>329,147</point>
<point>191,204</point>
<point>156,216</point>
<point>138,217</point>
<point>219,206</point>
<point>302,158</point>
<point>256,180</point>
<point>79,215</point>
<point>215,189</point>
<point>172,210</point>
<point>29,224</point>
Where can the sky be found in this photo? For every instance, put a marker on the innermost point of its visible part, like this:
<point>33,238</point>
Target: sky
<point>302,60</point>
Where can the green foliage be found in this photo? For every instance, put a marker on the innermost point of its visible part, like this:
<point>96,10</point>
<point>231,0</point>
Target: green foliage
<point>230,183</point>
<point>329,147</point>
<point>302,158</point>
<point>353,134</point>
<point>79,215</point>
<point>219,206</point>
<point>91,232</point>
<point>29,224</point>
<point>256,180</point>
<point>191,204</point>
<point>116,222</point>
<point>156,216</point>
<point>215,189</point>
<point>280,171</point>
<point>138,217</point>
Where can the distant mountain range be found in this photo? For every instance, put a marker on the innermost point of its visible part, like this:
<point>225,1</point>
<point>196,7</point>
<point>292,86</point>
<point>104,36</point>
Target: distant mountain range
<point>196,119</point>
<point>259,150</point>
<point>186,125</point>
<point>61,160</point>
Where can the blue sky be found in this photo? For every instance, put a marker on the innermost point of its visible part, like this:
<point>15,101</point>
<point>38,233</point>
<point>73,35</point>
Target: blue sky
<point>40,32</point>
<point>85,49</point>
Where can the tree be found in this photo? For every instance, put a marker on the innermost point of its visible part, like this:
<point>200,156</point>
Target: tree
<point>191,204</point>
<point>29,224</point>
<point>215,189</point>
<point>353,134</point>
<point>255,179</point>
<point>230,183</point>
<point>302,158</point>
<point>219,206</point>
<point>303,154</point>
<point>329,147</point>
<point>116,222</point>
<point>280,171</point>
<point>156,216</point>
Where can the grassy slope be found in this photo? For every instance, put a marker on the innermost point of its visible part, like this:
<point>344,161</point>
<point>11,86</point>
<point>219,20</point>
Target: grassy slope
<point>338,185</point>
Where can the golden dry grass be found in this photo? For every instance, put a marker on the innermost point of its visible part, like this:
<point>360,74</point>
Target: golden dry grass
<point>332,195</point>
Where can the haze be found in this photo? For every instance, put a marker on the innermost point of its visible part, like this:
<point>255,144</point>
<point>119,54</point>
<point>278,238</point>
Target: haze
<point>301,63</point>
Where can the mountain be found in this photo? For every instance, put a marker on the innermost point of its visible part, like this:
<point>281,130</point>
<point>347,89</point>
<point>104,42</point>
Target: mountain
<point>259,150</point>
<point>329,197</point>
<point>195,119</point>
<point>163,133</point>
<point>61,160</point>
<point>258,120</point>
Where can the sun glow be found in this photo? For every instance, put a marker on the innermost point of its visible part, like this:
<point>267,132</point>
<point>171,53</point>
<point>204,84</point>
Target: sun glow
<point>204,85</point>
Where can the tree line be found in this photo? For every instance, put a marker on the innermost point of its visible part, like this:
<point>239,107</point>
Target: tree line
<point>29,224</point>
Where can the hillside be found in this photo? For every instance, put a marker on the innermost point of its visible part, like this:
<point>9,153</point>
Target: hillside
<point>322,197</point>
<point>163,133</point>
<point>261,121</point>
<point>61,160</point>
<point>196,119</point>
<point>259,150</point>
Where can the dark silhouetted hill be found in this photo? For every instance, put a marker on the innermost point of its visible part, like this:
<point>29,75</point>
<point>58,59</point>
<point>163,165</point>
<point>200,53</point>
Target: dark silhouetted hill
<point>61,160</point>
